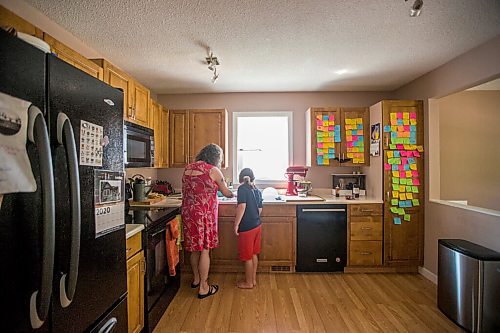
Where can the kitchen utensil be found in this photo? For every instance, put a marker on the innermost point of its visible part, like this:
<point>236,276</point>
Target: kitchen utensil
<point>303,188</point>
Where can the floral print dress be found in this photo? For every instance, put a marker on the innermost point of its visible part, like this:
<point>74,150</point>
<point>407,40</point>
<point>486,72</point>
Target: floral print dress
<point>199,208</point>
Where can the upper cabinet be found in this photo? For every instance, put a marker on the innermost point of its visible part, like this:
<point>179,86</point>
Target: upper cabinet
<point>191,130</point>
<point>72,57</point>
<point>135,96</point>
<point>9,19</point>
<point>337,136</point>
<point>159,117</point>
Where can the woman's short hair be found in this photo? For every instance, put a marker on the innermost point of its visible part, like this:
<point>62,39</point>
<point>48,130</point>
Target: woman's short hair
<point>211,154</point>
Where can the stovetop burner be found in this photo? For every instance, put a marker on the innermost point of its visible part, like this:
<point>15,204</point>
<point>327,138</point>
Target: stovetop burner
<point>150,217</point>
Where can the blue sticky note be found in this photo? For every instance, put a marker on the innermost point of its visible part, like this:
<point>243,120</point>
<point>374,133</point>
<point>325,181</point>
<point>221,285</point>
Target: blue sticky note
<point>394,135</point>
<point>397,220</point>
<point>396,153</point>
<point>413,128</point>
<point>406,167</point>
<point>394,167</point>
<point>400,122</point>
<point>320,160</point>
<point>325,118</point>
<point>413,141</point>
<point>337,128</point>
<point>387,128</point>
<point>402,204</point>
<point>409,203</point>
<point>411,160</point>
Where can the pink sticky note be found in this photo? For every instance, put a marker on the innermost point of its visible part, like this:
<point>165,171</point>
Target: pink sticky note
<point>403,153</point>
<point>409,153</point>
<point>416,154</point>
<point>349,144</point>
<point>354,138</point>
<point>319,123</point>
<point>416,181</point>
<point>406,128</point>
<point>413,115</point>
<point>331,117</point>
<point>404,160</point>
<point>330,128</point>
<point>401,167</point>
<point>402,174</point>
<point>320,145</point>
<point>399,146</point>
<point>414,173</point>
<point>387,166</point>
<point>399,115</point>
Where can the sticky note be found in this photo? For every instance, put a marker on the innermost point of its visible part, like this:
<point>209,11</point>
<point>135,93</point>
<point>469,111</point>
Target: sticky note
<point>395,180</point>
<point>420,149</point>
<point>416,154</point>
<point>413,115</point>
<point>409,196</point>
<point>413,166</point>
<point>395,167</point>
<point>401,188</point>
<point>407,217</point>
<point>409,181</point>
<point>414,173</point>
<point>402,196</point>
<point>403,181</point>
<point>401,211</point>
<point>416,202</point>
<point>395,187</point>
<point>394,202</point>
<point>390,154</point>
<point>402,174</point>
<point>408,188</point>
<point>414,189</point>
<point>395,174</point>
<point>397,220</point>
<point>394,210</point>
<point>392,146</point>
<point>416,181</point>
<point>408,174</point>
<point>396,153</point>
<point>395,194</point>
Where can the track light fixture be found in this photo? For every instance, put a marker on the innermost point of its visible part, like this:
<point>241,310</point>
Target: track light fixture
<point>416,8</point>
<point>212,63</point>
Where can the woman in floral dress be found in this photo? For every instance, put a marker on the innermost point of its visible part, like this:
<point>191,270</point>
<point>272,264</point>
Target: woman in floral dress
<point>200,182</point>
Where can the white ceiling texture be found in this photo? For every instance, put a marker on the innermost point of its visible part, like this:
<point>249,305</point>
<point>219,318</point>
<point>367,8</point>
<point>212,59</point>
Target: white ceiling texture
<point>280,45</point>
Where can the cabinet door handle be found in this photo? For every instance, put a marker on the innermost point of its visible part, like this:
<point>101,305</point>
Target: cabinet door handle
<point>366,228</point>
<point>323,210</point>
<point>388,196</point>
<point>143,266</point>
<point>129,249</point>
<point>367,210</point>
<point>130,112</point>
<point>365,253</point>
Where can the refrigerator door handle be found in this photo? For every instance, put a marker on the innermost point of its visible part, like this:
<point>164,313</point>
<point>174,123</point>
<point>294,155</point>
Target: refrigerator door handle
<point>66,138</point>
<point>109,326</point>
<point>40,299</point>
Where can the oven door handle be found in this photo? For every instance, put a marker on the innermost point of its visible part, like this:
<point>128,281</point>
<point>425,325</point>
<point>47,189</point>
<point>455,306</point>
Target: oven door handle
<point>65,137</point>
<point>158,232</point>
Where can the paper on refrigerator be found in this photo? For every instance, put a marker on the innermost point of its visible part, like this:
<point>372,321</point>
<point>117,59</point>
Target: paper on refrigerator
<point>15,168</point>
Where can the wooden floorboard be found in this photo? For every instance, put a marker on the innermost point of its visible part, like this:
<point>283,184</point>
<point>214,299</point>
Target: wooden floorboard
<point>309,302</point>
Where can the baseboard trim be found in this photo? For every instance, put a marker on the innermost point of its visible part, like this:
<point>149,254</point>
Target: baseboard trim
<point>427,274</point>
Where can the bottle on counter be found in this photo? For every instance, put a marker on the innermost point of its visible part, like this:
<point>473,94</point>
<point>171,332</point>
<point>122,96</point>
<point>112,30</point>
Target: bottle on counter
<point>355,190</point>
<point>337,191</point>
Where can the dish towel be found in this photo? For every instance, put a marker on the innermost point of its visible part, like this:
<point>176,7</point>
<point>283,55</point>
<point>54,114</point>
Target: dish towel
<point>172,249</point>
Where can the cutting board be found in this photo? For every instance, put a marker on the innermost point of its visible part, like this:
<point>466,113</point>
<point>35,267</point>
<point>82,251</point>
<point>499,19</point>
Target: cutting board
<point>146,202</point>
<point>293,198</point>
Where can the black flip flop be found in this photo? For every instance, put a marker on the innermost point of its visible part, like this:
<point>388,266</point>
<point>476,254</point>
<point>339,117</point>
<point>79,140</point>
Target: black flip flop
<point>212,290</point>
<point>195,285</point>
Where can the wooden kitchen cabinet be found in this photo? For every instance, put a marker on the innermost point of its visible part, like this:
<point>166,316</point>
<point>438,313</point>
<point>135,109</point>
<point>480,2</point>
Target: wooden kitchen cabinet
<point>365,235</point>
<point>347,150</point>
<point>278,248</point>
<point>72,57</point>
<point>9,19</point>
<point>191,130</point>
<point>165,132</point>
<point>403,240</point>
<point>156,125</point>
<point>136,268</point>
<point>136,98</point>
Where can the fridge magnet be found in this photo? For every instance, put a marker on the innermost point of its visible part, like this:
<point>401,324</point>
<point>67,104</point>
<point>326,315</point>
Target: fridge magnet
<point>375,140</point>
<point>91,138</point>
<point>109,205</point>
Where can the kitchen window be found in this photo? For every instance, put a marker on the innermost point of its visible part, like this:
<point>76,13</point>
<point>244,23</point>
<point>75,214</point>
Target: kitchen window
<point>262,142</point>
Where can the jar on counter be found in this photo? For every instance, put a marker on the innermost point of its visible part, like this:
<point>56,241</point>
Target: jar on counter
<point>355,190</point>
<point>337,191</point>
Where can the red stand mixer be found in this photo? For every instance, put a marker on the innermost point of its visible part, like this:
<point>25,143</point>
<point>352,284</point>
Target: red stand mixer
<point>290,173</point>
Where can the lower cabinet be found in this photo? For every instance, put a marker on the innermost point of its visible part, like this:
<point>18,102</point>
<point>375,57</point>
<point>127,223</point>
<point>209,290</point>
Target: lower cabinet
<point>136,268</point>
<point>365,235</point>
<point>277,245</point>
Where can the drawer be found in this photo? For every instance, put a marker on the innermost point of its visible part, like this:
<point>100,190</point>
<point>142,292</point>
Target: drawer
<point>366,231</point>
<point>365,253</point>
<point>134,244</point>
<point>372,219</point>
<point>366,209</point>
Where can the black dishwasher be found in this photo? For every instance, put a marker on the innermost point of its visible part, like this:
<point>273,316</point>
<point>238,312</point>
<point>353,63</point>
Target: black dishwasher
<point>321,238</point>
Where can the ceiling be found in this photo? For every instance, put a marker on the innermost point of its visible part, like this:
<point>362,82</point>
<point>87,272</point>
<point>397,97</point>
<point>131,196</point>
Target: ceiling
<point>280,45</point>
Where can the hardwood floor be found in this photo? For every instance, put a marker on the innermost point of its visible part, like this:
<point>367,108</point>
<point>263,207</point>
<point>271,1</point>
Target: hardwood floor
<point>310,302</point>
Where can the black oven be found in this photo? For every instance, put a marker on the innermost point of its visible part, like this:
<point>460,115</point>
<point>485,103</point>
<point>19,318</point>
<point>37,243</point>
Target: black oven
<point>139,146</point>
<point>160,288</point>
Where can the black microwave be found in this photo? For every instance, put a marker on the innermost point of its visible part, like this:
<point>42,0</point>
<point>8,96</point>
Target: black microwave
<point>138,146</point>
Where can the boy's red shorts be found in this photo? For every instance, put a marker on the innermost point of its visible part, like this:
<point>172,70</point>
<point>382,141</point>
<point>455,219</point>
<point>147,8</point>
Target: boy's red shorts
<point>249,243</point>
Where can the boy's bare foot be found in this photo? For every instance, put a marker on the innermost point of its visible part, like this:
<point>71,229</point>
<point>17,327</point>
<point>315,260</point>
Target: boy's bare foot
<point>244,285</point>
<point>255,283</point>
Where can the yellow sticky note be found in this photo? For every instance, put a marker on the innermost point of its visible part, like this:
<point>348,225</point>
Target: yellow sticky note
<point>359,121</point>
<point>390,154</point>
<point>413,167</point>
<point>402,188</point>
<point>402,196</point>
<point>395,194</point>
<point>326,161</point>
<point>406,121</point>
<point>420,149</point>
<point>395,174</point>
<point>393,115</point>
<point>408,174</point>
<point>394,128</point>
<point>409,196</point>
<point>406,115</point>
<point>348,133</point>
<point>413,121</point>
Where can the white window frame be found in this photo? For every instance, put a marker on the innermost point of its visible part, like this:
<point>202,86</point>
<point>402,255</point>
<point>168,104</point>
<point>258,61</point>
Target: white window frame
<point>279,183</point>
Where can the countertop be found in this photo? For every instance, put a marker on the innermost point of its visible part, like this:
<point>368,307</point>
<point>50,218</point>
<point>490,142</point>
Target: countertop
<point>313,199</point>
<point>165,203</point>
<point>132,229</point>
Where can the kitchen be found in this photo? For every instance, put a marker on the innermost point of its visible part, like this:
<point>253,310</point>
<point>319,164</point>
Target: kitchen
<point>439,219</point>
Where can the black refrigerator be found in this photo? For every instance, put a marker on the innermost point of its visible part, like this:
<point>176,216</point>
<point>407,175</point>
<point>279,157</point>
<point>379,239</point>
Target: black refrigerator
<point>62,247</point>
